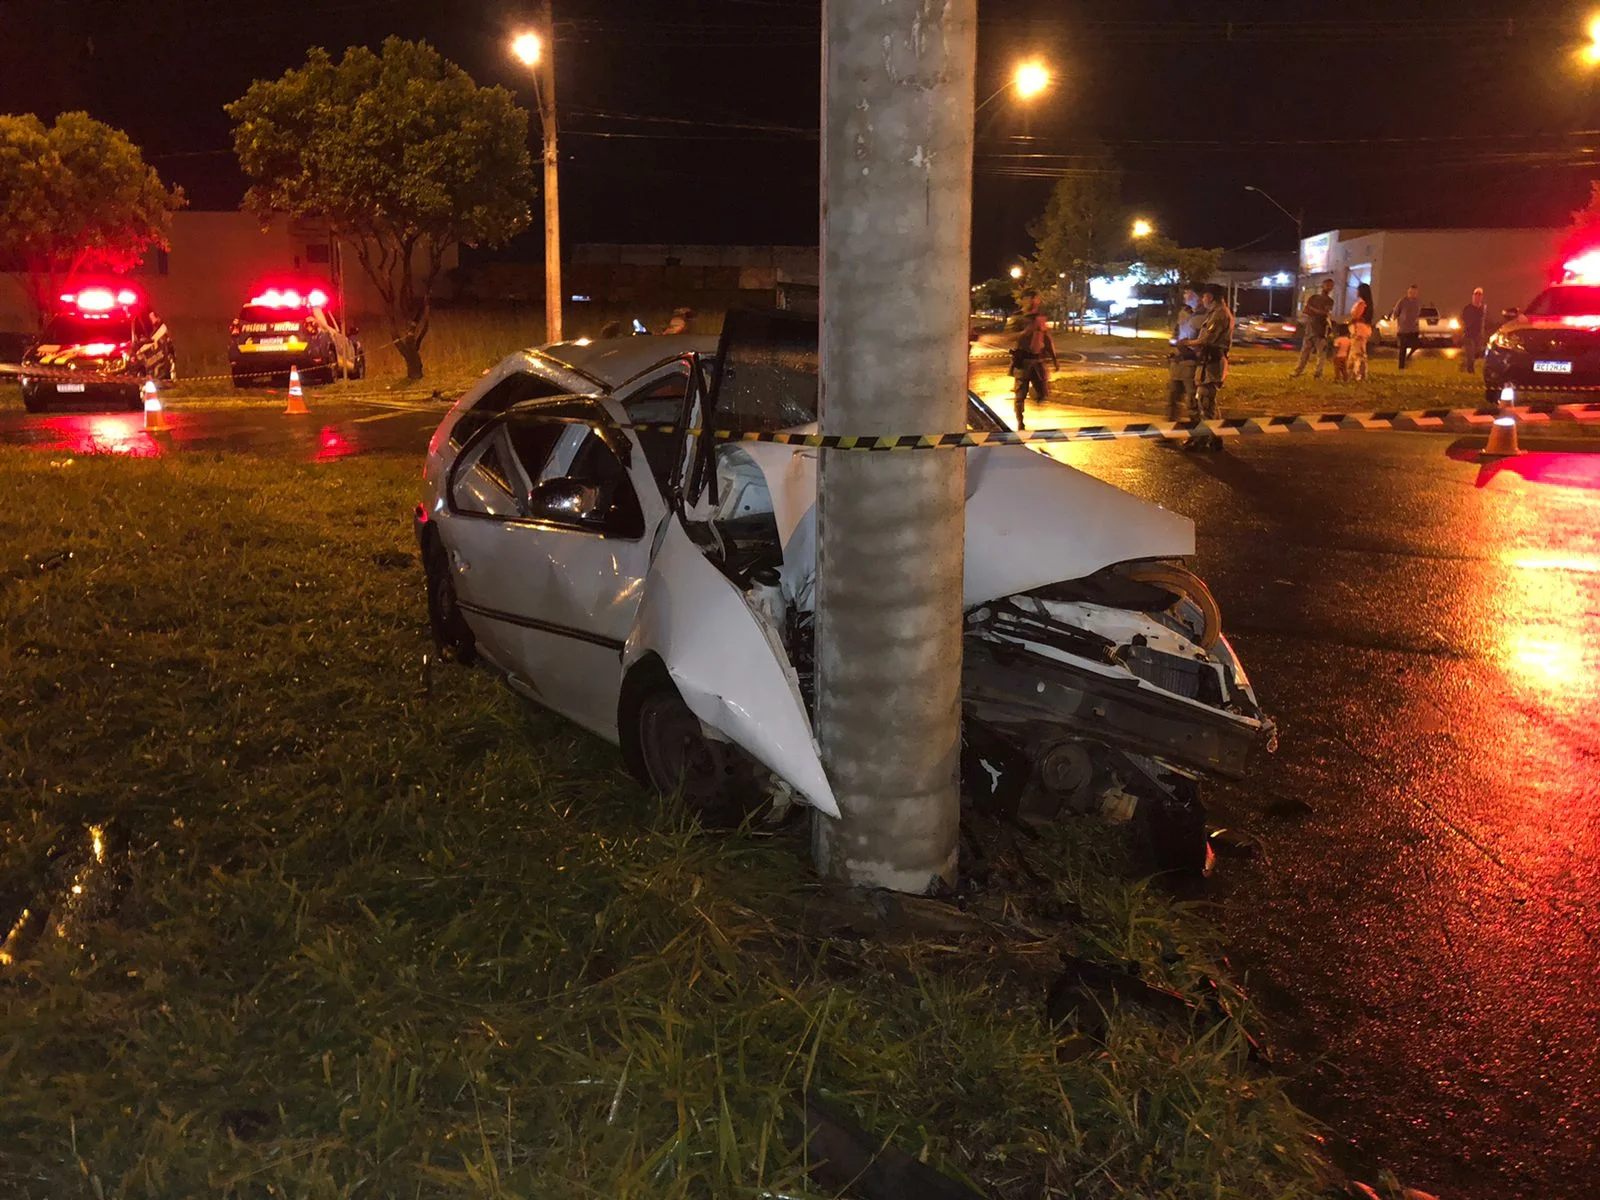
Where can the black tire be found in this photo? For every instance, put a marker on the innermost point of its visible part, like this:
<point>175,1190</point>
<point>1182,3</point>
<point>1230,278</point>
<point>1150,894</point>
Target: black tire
<point>451,634</point>
<point>33,401</point>
<point>240,380</point>
<point>668,751</point>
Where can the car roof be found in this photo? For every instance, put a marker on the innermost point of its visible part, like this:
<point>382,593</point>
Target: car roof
<point>614,361</point>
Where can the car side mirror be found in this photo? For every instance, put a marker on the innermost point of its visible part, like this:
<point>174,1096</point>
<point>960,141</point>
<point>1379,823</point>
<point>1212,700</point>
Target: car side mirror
<point>565,500</point>
<point>1510,314</point>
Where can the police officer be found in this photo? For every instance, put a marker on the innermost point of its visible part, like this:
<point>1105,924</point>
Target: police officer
<point>1212,344</point>
<point>1184,359</point>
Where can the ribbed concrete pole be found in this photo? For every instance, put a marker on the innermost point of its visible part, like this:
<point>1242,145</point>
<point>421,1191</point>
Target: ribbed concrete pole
<point>896,210</point>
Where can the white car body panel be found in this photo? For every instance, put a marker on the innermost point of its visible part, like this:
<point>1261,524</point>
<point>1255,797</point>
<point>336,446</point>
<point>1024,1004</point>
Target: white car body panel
<point>1017,539</point>
<point>726,664</point>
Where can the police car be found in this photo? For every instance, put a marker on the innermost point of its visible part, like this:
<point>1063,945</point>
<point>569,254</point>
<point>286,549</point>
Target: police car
<point>1553,344</point>
<point>284,327</point>
<point>97,348</point>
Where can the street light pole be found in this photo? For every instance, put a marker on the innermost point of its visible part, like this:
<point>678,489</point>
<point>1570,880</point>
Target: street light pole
<point>1299,220</point>
<point>537,50</point>
<point>897,136</point>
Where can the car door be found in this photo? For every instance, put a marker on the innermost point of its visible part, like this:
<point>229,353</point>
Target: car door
<point>548,544</point>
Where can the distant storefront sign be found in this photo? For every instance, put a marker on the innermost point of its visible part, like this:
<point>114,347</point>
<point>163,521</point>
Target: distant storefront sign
<point>1315,253</point>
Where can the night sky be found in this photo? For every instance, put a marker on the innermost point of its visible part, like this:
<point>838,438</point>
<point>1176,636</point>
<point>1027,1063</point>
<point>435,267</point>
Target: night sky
<point>694,121</point>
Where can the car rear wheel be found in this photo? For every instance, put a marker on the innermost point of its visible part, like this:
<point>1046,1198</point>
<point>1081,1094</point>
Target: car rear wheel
<point>668,749</point>
<point>33,401</point>
<point>451,634</point>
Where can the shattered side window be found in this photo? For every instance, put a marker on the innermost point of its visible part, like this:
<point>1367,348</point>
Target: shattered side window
<point>768,377</point>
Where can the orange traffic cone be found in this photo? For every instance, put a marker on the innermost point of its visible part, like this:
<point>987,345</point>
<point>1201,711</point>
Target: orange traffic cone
<point>1503,433</point>
<point>297,398</point>
<point>155,416</point>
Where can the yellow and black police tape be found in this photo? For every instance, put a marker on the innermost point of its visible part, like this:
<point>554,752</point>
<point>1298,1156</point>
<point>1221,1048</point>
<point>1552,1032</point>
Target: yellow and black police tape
<point>1426,420</point>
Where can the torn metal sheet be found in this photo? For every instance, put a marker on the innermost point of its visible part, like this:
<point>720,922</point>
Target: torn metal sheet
<point>728,666</point>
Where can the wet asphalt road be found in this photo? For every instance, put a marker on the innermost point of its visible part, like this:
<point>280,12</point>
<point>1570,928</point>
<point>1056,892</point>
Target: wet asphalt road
<point>1422,926</point>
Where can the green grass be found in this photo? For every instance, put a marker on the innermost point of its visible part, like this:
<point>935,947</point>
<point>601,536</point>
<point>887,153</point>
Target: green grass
<point>1259,383</point>
<point>370,926</point>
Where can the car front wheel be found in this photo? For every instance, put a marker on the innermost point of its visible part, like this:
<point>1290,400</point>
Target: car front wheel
<point>668,748</point>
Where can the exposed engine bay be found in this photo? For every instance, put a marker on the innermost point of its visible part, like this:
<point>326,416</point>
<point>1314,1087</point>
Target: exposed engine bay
<point>1115,692</point>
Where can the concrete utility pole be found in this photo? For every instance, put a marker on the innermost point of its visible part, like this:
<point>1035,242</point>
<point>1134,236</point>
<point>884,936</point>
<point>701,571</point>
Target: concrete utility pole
<point>896,209</point>
<point>538,51</point>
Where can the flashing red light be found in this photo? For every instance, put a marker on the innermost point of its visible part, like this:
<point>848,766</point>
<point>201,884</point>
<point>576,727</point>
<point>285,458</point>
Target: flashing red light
<point>290,298</point>
<point>99,349</point>
<point>1585,268</point>
<point>100,299</point>
<point>1591,321</point>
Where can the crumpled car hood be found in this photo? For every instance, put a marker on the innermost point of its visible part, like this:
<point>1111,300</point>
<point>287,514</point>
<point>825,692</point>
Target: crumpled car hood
<point>1031,520</point>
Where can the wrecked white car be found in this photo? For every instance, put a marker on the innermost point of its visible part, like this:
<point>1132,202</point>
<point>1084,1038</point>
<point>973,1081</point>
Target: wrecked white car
<point>656,586</point>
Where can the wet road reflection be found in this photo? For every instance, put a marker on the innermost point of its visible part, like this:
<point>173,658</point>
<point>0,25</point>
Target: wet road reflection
<point>1423,922</point>
<point>336,431</point>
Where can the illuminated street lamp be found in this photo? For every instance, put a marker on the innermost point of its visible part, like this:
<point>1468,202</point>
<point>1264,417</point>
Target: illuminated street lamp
<point>1016,272</point>
<point>1142,228</point>
<point>1030,78</point>
<point>528,48</point>
<point>1591,53</point>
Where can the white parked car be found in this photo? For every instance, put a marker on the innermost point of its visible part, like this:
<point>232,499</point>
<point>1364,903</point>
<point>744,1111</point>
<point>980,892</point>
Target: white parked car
<point>656,586</point>
<point>1432,329</point>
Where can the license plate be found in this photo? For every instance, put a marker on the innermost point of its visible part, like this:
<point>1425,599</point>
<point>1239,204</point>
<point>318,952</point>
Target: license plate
<point>1552,368</point>
<point>69,387</point>
<point>270,343</point>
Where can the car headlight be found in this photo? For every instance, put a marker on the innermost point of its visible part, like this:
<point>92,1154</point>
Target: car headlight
<point>1455,323</point>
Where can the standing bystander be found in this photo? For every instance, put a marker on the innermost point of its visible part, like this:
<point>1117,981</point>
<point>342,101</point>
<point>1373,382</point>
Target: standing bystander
<point>1472,329</point>
<point>1407,313</point>
<point>1314,316</point>
<point>1361,314</point>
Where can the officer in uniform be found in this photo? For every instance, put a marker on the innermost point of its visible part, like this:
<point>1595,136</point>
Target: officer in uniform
<point>1212,344</point>
<point>1184,359</point>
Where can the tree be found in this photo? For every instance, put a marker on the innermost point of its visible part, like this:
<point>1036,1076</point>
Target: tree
<point>1162,260</point>
<point>1082,226</point>
<point>401,153</point>
<point>76,196</point>
<point>992,294</point>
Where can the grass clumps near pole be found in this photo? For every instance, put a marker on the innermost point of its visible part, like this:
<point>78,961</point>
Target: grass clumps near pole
<point>361,924</point>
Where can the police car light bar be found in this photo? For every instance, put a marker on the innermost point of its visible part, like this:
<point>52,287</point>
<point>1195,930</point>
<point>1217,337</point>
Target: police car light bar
<point>1583,269</point>
<point>99,299</point>
<point>290,298</point>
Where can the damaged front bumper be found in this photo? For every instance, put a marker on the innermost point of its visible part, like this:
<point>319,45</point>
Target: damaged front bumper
<point>1039,672</point>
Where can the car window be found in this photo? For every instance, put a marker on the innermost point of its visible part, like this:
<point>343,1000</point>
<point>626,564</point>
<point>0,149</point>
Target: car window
<point>658,401</point>
<point>524,385</point>
<point>554,471</point>
<point>1428,313</point>
<point>483,482</point>
<point>1570,300</point>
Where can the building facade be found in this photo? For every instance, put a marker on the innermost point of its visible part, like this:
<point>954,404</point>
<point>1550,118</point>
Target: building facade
<point>1510,265</point>
<point>217,259</point>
